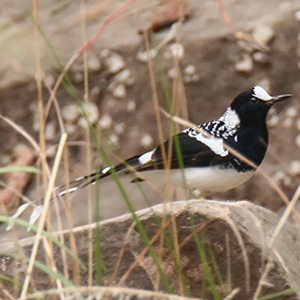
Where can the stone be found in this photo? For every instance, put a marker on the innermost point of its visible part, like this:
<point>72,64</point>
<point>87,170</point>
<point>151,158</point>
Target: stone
<point>115,63</point>
<point>142,56</point>
<point>147,141</point>
<point>119,91</point>
<point>70,112</point>
<point>105,121</point>
<point>93,63</point>
<point>235,236</point>
<point>263,33</point>
<point>245,64</point>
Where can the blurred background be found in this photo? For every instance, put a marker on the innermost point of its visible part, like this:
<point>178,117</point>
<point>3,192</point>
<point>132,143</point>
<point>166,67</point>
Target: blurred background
<point>216,50</point>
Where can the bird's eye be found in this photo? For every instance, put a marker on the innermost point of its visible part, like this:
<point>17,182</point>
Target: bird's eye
<point>254,99</point>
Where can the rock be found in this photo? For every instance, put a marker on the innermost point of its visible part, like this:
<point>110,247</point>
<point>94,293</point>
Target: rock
<point>245,65</point>
<point>105,121</point>
<point>291,112</point>
<point>142,56</point>
<point>232,236</point>
<point>131,106</point>
<point>94,63</point>
<point>119,91</point>
<point>260,58</point>
<point>189,70</point>
<point>92,111</point>
<point>263,33</point>
<point>50,131</point>
<point>70,112</point>
<point>115,63</point>
<point>147,141</point>
<point>119,128</point>
<point>177,51</point>
<point>273,121</point>
<point>172,73</point>
<point>95,92</point>
<point>125,77</point>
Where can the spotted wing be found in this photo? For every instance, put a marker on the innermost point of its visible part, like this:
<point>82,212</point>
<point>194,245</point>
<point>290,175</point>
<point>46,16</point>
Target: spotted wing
<point>186,151</point>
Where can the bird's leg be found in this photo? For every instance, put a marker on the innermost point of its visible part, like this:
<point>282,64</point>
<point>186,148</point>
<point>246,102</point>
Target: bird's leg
<point>197,194</point>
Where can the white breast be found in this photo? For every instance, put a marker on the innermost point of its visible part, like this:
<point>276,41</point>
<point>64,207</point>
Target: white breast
<point>206,180</point>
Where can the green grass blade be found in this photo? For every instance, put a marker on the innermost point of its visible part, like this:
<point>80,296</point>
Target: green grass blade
<point>27,169</point>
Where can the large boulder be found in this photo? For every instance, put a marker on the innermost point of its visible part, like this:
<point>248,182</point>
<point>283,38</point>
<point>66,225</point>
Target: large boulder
<point>222,248</point>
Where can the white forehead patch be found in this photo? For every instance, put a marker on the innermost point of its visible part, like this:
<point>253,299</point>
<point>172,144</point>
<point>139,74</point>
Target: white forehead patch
<point>260,93</point>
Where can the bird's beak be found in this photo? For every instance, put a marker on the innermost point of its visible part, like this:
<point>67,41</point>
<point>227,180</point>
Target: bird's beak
<point>279,98</point>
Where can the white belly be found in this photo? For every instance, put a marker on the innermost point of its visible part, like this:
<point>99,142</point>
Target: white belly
<point>206,180</point>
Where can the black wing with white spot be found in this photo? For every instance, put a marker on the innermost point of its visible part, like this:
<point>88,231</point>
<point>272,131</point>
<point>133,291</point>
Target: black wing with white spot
<point>187,151</point>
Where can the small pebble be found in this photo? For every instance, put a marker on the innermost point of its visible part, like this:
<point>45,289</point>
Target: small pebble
<point>36,124</point>
<point>94,64</point>
<point>105,121</point>
<point>92,111</point>
<point>82,122</point>
<point>260,57</point>
<point>95,92</point>
<point>125,77</point>
<point>70,112</point>
<point>142,56</point>
<point>295,167</point>
<point>172,73</point>
<point>119,91</point>
<point>191,78</point>
<point>245,46</point>
<point>189,70</point>
<point>119,128</point>
<point>131,106</point>
<point>104,53</point>
<point>114,139</point>
<point>273,121</point>
<point>115,63</point>
<point>50,131</point>
<point>245,65</point>
<point>282,177</point>
<point>50,80</point>
<point>78,77</point>
<point>70,128</point>
<point>177,50</point>
<point>263,33</point>
<point>147,141</point>
<point>291,112</point>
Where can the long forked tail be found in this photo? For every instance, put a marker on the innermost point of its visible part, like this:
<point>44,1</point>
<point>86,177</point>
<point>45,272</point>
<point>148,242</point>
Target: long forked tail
<point>79,183</point>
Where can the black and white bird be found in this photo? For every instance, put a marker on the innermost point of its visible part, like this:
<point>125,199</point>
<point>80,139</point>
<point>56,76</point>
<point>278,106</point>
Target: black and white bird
<point>215,156</point>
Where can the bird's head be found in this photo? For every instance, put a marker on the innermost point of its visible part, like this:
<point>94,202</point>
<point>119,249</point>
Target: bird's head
<point>254,104</point>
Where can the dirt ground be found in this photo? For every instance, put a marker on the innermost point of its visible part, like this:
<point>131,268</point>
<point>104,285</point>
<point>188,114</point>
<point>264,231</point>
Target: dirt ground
<point>210,66</point>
